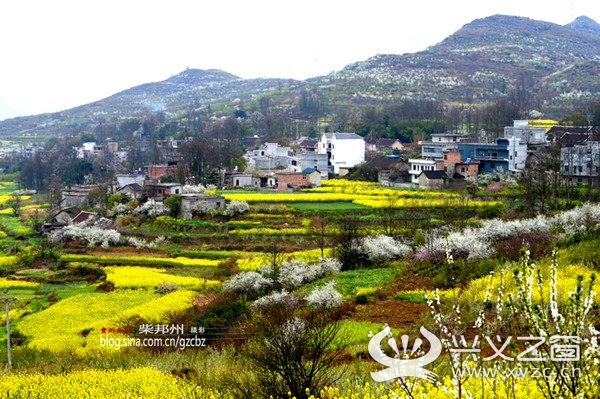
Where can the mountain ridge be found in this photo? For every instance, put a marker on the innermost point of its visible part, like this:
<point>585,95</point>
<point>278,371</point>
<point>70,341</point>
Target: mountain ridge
<point>481,62</point>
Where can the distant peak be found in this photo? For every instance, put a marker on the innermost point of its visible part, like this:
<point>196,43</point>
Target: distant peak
<point>585,24</point>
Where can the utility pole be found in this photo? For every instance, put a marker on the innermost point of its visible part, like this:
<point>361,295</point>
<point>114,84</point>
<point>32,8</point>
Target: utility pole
<point>6,301</point>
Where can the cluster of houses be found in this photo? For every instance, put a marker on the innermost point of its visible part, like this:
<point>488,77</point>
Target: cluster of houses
<point>304,164</point>
<point>308,161</point>
<point>450,156</point>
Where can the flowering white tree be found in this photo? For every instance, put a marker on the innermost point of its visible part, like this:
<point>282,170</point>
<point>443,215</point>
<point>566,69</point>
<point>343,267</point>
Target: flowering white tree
<point>152,208</point>
<point>381,247</point>
<point>248,283</point>
<point>236,208</point>
<point>325,297</point>
<point>192,189</point>
<point>94,231</point>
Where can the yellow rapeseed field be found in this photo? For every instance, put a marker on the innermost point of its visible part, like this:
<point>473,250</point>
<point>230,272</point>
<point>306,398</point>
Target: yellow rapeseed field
<point>74,324</point>
<point>141,382</point>
<point>139,260</point>
<point>143,277</point>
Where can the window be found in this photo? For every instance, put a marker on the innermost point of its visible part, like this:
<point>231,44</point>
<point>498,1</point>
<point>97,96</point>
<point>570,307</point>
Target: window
<point>462,170</point>
<point>492,166</point>
<point>566,168</point>
<point>445,157</point>
<point>580,168</point>
<point>237,182</point>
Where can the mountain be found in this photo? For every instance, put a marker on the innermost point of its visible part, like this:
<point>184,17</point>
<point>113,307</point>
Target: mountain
<point>558,66</point>
<point>585,24</point>
<point>191,89</point>
<point>551,68</point>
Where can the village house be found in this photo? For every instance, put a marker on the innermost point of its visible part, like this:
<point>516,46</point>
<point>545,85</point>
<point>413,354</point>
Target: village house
<point>154,172</point>
<point>440,143</point>
<point>419,165</point>
<point>76,195</point>
<point>133,190</point>
<point>433,179</point>
<point>191,203</point>
<point>162,190</point>
<point>288,181</point>
<point>581,163</point>
<point>344,150</point>
<point>306,160</point>
<point>387,145</point>
<point>65,217</point>
<point>530,135</point>
<point>125,179</point>
<point>391,170</point>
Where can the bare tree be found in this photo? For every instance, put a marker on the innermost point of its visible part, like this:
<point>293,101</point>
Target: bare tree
<point>293,349</point>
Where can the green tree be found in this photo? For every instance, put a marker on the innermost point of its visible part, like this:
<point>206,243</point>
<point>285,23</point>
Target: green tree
<point>15,203</point>
<point>173,202</point>
<point>574,119</point>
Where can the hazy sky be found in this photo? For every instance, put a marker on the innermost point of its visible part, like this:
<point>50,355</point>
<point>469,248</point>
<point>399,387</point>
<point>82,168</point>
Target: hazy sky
<point>57,54</point>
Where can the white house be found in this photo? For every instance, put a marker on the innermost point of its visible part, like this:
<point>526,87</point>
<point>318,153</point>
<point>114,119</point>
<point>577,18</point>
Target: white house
<point>527,134</point>
<point>517,154</point>
<point>124,180</point>
<point>419,165</point>
<point>344,150</point>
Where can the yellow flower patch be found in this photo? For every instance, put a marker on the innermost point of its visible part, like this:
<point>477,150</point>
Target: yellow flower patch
<point>143,277</point>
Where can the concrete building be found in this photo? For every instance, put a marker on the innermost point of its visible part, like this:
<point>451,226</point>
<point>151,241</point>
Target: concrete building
<point>123,180</point>
<point>528,134</point>
<point>440,143</point>
<point>162,190</point>
<point>344,150</point>
<point>581,163</point>
<point>76,195</point>
<point>191,203</point>
<point>420,165</point>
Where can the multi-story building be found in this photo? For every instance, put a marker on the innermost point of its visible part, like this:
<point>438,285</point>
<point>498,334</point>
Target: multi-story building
<point>440,143</point>
<point>581,163</point>
<point>420,165</point>
<point>344,150</point>
<point>508,154</point>
<point>528,134</point>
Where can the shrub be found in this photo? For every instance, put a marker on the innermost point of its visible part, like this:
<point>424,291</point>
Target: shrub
<point>166,287</point>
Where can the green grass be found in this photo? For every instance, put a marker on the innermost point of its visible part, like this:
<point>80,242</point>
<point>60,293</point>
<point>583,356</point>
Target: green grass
<point>327,206</point>
<point>411,296</point>
<point>348,282</point>
<point>65,291</point>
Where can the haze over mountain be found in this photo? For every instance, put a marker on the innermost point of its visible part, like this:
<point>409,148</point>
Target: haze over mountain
<point>555,69</point>
<point>6,112</point>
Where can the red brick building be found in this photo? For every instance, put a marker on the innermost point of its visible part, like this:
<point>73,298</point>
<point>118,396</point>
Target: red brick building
<point>290,180</point>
